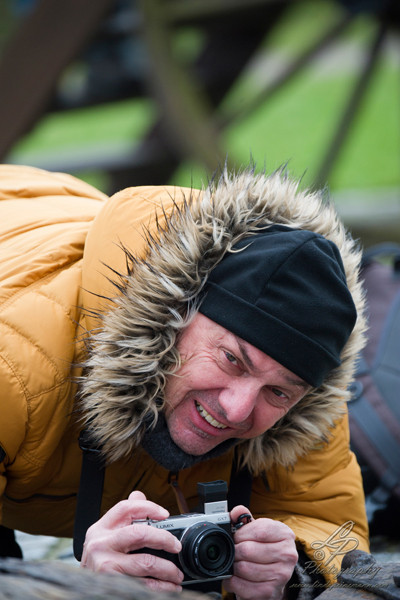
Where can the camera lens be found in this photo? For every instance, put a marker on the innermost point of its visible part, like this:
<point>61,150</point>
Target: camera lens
<point>213,552</point>
<point>207,551</point>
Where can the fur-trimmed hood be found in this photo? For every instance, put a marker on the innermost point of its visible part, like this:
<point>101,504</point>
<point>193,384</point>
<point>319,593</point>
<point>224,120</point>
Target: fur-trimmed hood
<point>156,271</point>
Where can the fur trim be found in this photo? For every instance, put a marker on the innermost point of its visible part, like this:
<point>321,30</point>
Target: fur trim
<point>134,351</point>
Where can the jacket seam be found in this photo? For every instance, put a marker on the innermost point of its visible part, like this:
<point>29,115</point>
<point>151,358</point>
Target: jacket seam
<point>25,393</point>
<point>41,280</point>
<point>57,303</point>
<point>33,343</point>
<point>27,456</point>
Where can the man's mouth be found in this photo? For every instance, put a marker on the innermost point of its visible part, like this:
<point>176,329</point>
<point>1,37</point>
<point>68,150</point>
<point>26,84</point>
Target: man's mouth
<point>209,418</point>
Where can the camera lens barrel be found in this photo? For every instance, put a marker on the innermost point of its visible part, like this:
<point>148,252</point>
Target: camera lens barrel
<point>207,551</point>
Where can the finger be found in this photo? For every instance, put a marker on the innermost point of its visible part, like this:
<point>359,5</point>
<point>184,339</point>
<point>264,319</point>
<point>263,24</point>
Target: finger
<point>133,509</point>
<point>136,495</point>
<point>237,511</point>
<point>139,565</point>
<point>130,538</point>
<point>246,571</point>
<point>246,590</point>
<point>255,552</point>
<point>262,553</point>
<point>138,536</point>
<point>266,531</point>
<point>265,571</point>
<point>160,586</point>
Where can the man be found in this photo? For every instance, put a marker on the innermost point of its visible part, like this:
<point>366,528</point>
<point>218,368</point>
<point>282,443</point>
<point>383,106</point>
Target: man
<point>202,327</point>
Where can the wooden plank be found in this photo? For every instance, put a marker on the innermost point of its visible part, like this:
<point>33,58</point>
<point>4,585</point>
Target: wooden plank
<point>54,580</point>
<point>32,62</point>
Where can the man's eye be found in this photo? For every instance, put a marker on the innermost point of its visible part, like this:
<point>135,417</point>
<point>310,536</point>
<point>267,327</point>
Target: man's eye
<point>279,393</point>
<point>231,358</point>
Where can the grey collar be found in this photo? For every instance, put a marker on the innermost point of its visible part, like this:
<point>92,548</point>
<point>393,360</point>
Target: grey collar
<point>158,443</point>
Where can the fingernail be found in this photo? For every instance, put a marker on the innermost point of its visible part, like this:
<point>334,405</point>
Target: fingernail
<point>178,545</point>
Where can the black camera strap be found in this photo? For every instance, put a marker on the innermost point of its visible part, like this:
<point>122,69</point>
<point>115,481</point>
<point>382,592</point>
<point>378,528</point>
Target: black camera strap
<point>240,484</point>
<point>88,503</point>
<point>179,497</point>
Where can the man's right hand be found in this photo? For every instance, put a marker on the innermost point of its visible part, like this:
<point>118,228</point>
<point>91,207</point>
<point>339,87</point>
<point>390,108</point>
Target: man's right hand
<point>109,541</point>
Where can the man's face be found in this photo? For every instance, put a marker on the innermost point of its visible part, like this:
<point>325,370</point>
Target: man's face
<point>226,388</point>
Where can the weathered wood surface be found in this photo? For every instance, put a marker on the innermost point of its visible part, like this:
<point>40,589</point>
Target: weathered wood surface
<point>362,577</point>
<point>54,580</point>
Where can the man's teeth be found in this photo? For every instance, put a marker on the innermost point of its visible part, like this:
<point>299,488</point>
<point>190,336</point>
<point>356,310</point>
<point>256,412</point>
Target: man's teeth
<point>209,418</point>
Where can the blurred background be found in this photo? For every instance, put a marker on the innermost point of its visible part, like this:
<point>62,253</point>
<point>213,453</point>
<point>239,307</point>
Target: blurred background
<point>133,92</point>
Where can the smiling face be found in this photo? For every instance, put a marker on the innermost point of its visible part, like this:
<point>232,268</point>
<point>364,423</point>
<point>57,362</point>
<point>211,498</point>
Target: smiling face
<point>226,388</point>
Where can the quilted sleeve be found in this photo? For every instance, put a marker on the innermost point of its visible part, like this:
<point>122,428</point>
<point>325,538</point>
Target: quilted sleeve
<point>321,499</point>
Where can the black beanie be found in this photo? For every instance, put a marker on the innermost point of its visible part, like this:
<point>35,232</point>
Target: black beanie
<point>284,291</point>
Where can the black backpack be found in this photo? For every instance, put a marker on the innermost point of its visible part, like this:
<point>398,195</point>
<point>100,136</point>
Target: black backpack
<point>374,409</point>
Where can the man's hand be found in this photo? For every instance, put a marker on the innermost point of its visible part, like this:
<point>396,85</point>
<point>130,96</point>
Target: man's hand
<point>110,539</point>
<point>265,556</point>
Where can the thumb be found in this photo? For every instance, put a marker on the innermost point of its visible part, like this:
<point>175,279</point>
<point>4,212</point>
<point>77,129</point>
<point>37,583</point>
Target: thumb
<point>240,515</point>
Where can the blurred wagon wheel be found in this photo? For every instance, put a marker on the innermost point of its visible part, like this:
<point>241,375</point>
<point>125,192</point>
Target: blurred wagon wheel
<point>39,49</point>
<point>190,92</point>
<point>188,95</point>
<point>188,101</point>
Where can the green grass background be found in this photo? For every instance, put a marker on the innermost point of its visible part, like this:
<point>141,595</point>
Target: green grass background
<point>294,126</point>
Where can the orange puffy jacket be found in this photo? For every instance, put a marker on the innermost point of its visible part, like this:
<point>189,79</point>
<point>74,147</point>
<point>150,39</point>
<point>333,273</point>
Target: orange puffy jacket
<point>62,243</point>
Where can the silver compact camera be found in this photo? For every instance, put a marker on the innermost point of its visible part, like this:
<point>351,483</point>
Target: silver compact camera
<point>208,550</point>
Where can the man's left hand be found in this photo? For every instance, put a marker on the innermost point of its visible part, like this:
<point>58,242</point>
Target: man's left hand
<point>265,556</point>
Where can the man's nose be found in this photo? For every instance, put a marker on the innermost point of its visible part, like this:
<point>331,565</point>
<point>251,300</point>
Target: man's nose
<point>238,401</point>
